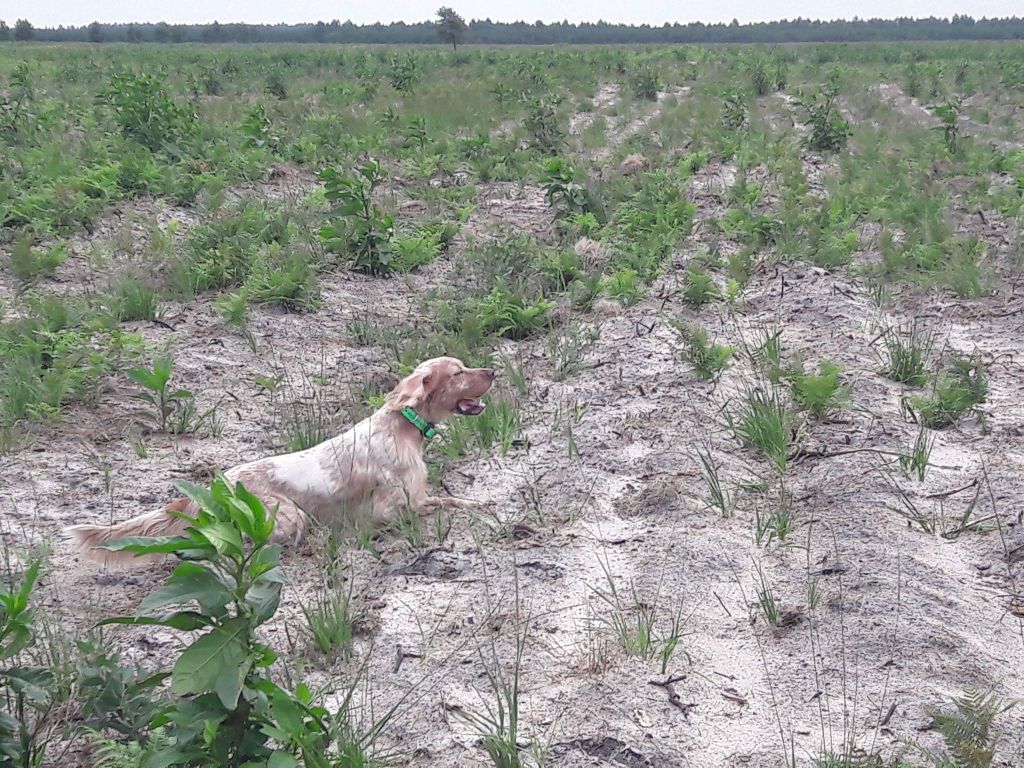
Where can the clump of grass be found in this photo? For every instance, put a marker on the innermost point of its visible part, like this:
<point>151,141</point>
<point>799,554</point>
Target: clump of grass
<point>707,358</point>
<point>765,423</point>
<point>566,348</point>
<point>331,619</point>
<point>915,461</point>
<point>822,393</point>
<point>135,299</point>
<point>767,605</point>
<point>956,391</point>
<point>719,497</point>
<point>624,285</point>
<point>29,264</point>
<point>905,353</point>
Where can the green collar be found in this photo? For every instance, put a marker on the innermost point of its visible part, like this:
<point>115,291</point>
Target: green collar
<point>424,426</point>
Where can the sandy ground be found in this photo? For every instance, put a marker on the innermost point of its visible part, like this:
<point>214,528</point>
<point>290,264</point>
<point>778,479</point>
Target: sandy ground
<point>607,482</point>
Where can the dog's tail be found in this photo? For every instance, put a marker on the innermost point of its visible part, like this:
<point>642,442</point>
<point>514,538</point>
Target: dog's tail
<point>87,538</point>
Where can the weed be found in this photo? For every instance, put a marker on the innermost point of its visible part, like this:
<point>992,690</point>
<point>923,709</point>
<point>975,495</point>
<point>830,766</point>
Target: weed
<point>144,109</point>
<point>829,131</point>
<point>707,358</point>
<point>821,394</point>
<point>624,285</point>
<point>956,391</point>
<point>331,619</point>
<point>28,264</point>
<point>906,351</point>
<point>916,460</point>
<point>765,423</point>
<point>175,408</point>
<point>645,83</point>
<point>561,192</point>
<point>949,114</point>
<point>566,348</point>
<point>766,602</point>
<point>719,497</point>
<point>229,572</point>
<point>700,288</point>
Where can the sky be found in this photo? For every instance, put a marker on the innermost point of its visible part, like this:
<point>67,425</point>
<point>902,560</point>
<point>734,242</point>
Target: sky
<point>49,13</point>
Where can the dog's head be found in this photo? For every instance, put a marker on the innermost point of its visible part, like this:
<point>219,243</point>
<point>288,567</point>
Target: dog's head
<point>440,387</point>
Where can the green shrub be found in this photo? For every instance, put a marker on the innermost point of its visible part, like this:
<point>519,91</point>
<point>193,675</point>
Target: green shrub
<point>700,288</point>
<point>144,109</point>
<point>363,231</point>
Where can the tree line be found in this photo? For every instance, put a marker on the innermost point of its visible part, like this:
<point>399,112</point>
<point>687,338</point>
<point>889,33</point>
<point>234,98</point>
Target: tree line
<point>487,32</point>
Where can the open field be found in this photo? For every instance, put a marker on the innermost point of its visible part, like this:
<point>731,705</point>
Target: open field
<point>752,476</point>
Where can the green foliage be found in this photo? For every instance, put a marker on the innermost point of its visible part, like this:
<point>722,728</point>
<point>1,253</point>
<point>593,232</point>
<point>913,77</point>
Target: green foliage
<point>956,391</point>
<point>144,109</point>
<point>560,191</point>
<point>29,264</point>
<point>55,353</point>
<point>27,693</point>
<point>949,114</point>
<point>905,353</point>
<point>623,285</point>
<point>363,232</point>
<point>405,73</point>
<point>258,130</point>
<point>697,348</point>
<point>175,408</point>
<point>822,393</point>
<point>700,288</point>
<point>120,698</point>
<point>134,298</point>
<point>645,83</point>
<point>542,126</point>
<point>225,708</point>
<point>734,110</point>
<point>15,117</point>
<point>511,314</point>
<point>829,131</point>
<point>969,730</point>
<point>765,423</point>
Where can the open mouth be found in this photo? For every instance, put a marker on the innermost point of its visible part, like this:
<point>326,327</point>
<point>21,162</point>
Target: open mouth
<point>469,407</point>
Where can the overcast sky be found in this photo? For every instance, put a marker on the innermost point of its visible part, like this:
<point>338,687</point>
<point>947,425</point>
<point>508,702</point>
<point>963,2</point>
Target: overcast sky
<point>48,13</point>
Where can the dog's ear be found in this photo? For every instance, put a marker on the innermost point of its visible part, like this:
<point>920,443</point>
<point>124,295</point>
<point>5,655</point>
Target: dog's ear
<point>412,391</point>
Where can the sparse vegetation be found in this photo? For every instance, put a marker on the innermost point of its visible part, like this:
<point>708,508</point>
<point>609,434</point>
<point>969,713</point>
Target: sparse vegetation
<point>665,251</point>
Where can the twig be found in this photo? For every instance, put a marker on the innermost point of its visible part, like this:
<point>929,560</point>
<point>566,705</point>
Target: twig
<point>673,696</point>
<point>954,492</point>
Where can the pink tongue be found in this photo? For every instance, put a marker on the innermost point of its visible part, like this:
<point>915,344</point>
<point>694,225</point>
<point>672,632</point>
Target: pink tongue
<point>472,407</point>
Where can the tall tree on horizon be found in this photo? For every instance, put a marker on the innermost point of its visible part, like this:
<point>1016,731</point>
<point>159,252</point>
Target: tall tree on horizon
<point>451,27</point>
<point>95,32</point>
<point>23,30</point>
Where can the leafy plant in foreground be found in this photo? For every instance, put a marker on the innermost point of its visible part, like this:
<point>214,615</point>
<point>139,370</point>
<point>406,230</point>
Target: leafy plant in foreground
<point>25,691</point>
<point>227,712</point>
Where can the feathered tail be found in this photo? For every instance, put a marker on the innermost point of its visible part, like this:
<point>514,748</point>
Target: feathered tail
<point>87,538</point>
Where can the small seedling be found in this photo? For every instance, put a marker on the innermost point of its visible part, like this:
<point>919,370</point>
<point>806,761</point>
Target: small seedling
<point>956,391</point>
<point>821,394</point>
<point>719,497</point>
<point>175,408</point>
<point>700,288</point>
<point>707,358</point>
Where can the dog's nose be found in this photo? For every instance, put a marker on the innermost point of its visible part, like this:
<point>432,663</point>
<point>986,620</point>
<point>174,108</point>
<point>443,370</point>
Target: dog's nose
<point>491,373</point>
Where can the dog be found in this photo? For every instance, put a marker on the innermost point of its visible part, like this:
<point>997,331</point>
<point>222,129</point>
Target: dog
<point>375,470</point>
